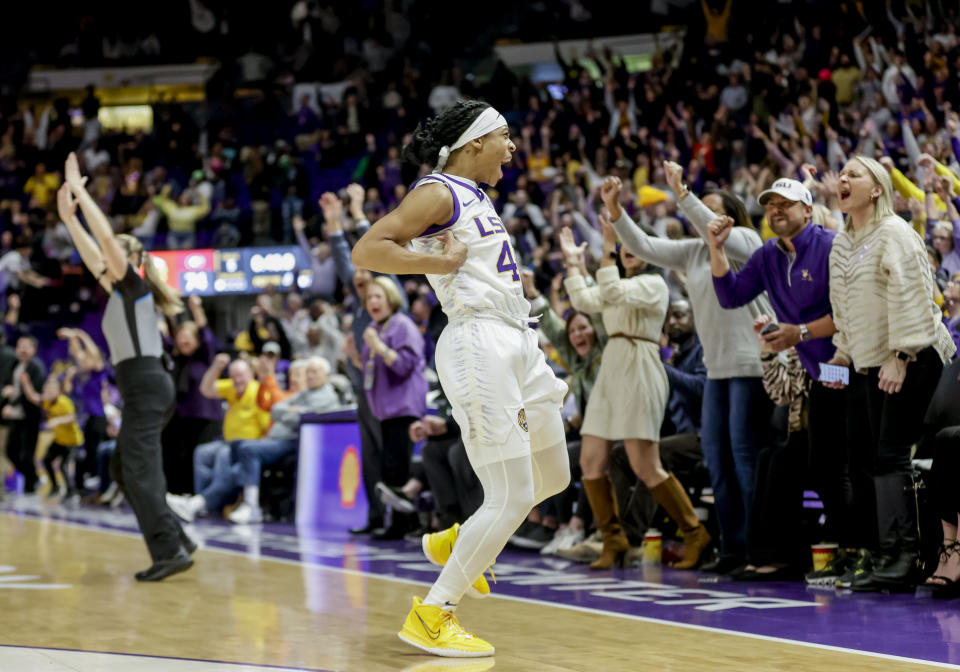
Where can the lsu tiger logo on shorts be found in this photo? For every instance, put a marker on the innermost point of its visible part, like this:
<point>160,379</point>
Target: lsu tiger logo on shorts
<point>522,420</point>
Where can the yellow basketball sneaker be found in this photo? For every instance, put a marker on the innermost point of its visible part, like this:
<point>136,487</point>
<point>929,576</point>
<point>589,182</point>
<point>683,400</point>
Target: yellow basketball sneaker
<point>438,631</point>
<point>438,546</point>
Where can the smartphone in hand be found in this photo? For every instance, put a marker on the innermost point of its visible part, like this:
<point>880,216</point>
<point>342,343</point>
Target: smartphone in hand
<point>831,373</point>
<point>770,328</point>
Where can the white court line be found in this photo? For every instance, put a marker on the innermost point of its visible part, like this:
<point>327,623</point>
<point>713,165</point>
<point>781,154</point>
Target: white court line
<point>545,603</point>
<point>69,660</point>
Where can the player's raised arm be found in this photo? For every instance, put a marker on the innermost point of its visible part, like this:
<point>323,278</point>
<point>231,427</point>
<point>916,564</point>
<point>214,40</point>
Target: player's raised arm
<point>384,247</point>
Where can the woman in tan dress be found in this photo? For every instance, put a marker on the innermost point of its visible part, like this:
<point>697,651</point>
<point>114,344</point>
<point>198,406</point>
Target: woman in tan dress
<point>630,395</point>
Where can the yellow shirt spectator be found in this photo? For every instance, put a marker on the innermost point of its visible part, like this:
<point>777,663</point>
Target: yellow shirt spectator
<point>536,164</point>
<point>909,190</point>
<point>180,216</point>
<point>244,419</point>
<point>717,20</point>
<point>41,188</point>
<point>69,433</point>
<point>846,78</point>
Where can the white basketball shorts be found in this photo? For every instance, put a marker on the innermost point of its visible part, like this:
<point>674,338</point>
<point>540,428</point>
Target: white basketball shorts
<point>504,396</point>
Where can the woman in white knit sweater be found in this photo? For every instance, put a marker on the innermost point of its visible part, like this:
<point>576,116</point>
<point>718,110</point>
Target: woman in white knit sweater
<point>890,332</point>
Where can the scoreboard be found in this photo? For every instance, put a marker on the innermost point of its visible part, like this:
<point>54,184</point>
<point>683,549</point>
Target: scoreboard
<point>242,270</point>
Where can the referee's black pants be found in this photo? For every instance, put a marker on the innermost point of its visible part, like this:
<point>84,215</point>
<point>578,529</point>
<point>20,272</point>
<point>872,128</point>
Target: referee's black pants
<point>148,396</point>
<point>21,446</point>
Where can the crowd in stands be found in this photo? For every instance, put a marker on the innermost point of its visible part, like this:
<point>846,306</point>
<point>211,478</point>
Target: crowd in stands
<point>707,211</point>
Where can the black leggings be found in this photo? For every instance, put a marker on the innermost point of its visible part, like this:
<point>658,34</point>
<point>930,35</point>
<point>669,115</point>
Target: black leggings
<point>53,452</point>
<point>887,425</point>
<point>147,392</point>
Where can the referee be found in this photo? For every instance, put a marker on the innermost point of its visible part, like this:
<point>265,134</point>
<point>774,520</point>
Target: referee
<point>130,327</point>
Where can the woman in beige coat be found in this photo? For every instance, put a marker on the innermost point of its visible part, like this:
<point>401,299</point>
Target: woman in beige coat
<point>630,395</point>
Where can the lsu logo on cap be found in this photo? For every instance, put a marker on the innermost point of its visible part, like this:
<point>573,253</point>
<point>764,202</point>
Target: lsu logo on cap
<point>522,420</point>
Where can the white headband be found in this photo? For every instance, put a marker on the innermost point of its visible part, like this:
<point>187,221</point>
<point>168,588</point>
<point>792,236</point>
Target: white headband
<point>489,120</point>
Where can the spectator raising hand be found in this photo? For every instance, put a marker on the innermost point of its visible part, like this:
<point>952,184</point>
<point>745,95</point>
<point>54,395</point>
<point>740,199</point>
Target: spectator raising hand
<point>357,195</point>
<point>718,230</point>
<point>332,209</point>
<point>673,172</point>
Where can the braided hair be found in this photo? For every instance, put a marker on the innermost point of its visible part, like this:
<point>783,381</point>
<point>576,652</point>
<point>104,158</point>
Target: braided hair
<point>443,129</point>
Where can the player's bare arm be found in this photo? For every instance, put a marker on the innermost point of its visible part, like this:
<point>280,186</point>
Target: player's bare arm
<point>384,247</point>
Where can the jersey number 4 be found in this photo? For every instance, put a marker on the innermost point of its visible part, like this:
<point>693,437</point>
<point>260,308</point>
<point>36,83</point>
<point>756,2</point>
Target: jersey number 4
<point>506,263</point>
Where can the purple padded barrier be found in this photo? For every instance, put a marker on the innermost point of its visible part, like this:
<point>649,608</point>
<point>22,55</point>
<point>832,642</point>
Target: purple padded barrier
<point>330,492</point>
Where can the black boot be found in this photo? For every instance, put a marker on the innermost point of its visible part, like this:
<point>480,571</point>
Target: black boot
<point>400,525</point>
<point>161,569</point>
<point>895,567</point>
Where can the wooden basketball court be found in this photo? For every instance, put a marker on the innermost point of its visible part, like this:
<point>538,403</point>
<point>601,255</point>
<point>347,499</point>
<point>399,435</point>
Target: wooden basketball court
<point>66,585</point>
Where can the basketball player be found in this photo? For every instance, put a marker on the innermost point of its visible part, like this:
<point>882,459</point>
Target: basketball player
<point>504,396</point>
<point>131,329</point>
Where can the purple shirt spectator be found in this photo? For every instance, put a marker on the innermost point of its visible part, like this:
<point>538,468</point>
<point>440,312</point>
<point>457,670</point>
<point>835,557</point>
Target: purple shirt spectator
<point>953,326</point>
<point>87,391</point>
<point>400,389</point>
<point>188,372</point>
<point>797,284</point>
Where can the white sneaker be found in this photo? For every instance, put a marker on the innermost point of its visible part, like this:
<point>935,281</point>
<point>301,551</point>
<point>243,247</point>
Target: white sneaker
<point>393,499</point>
<point>565,538</point>
<point>109,493</point>
<point>246,515</point>
<point>117,501</point>
<point>180,505</point>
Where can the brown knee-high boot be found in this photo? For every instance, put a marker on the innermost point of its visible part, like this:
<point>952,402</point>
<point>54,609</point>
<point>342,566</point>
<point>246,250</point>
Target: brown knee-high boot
<point>605,511</point>
<point>675,501</point>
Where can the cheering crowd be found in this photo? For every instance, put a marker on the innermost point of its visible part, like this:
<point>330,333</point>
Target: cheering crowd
<point>744,261</point>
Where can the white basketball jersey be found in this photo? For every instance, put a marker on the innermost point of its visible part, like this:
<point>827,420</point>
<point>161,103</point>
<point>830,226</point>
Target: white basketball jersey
<point>489,280</point>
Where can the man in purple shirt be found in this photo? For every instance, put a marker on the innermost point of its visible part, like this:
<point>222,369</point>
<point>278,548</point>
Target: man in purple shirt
<point>794,271</point>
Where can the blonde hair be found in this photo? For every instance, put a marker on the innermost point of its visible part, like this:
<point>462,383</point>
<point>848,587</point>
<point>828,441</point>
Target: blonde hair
<point>166,297</point>
<point>391,290</point>
<point>944,225</point>
<point>819,214</point>
<point>883,205</point>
